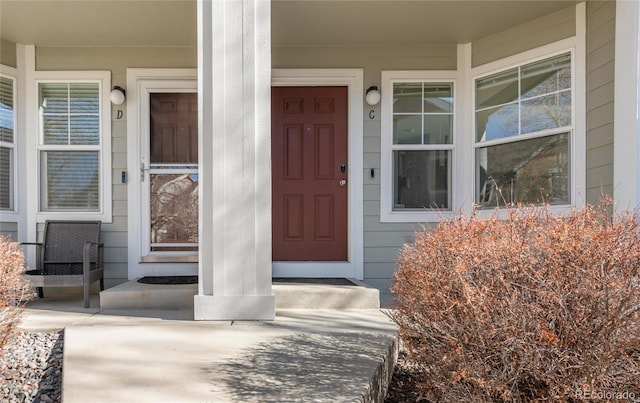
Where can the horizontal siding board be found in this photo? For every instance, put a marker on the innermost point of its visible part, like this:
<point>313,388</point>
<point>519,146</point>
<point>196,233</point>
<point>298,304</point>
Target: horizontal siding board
<point>600,137</point>
<point>599,176</point>
<point>433,57</point>
<point>599,14</point>
<point>601,56</point>
<point>371,144</point>
<point>600,116</point>
<point>119,223</point>
<point>381,284</point>
<point>379,270</point>
<point>9,230</point>
<point>602,36</point>
<point>595,194</point>
<point>114,239</point>
<point>116,271</point>
<point>381,255</point>
<point>371,160</point>
<point>371,192</point>
<point>600,96</point>
<point>372,223</point>
<point>601,76</point>
<point>532,34</point>
<point>601,156</point>
<point>387,239</point>
<point>115,255</point>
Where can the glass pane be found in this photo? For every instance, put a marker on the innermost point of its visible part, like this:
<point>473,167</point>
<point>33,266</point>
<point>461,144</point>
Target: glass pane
<point>54,98</point>
<point>438,129</point>
<point>70,180</point>
<point>407,98</point>
<point>421,179</point>
<point>174,209</point>
<point>55,129</point>
<point>548,112</point>
<point>529,171</point>
<point>547,76</point>
<point>6,109</point>
<point>498,89</point>
<point>407,129</point>
<point>85,130</point>
<point>6,178</point>
<point>497,123</point>
<point>174,128</point>
<point>85,98</point>
<point>438,98</point>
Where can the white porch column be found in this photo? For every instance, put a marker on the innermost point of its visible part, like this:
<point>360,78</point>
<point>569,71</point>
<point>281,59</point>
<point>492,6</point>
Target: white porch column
<point>234,90</point>
<point>626,132</point>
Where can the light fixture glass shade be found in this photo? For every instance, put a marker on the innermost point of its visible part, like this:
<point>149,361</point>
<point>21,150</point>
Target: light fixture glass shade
<point>117,96</point>
<point>372,96</point>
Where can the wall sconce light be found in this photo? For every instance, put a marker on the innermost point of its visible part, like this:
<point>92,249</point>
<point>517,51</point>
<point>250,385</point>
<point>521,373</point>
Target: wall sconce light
<point>372,95</point>
<point>118,95</point>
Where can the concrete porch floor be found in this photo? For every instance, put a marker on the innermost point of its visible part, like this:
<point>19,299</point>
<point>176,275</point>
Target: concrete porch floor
<point>289,293</point>
<point>162,355</point>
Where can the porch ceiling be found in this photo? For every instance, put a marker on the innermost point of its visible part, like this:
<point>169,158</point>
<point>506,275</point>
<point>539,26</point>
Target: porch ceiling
<point>294,22</point>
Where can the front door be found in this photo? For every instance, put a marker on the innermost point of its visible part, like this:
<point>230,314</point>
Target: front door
<point>309,173</point>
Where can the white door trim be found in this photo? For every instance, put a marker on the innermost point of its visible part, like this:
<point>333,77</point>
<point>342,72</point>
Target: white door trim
<point>353,80</point>
<point>139,83</point>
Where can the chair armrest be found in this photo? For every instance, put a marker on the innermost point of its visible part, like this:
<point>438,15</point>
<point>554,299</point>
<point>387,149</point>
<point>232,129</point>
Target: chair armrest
<point>86,257</point>
<point>39,253</point>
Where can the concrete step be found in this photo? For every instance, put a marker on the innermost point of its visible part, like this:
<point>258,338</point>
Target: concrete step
<point>290,294</point>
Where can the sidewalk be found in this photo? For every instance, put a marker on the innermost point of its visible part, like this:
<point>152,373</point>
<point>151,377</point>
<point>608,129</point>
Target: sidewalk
<point>164,356</point>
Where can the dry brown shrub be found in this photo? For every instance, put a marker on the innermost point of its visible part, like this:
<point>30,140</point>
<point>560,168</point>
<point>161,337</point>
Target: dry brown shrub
<point>528,307</point>
<point>14,291</point>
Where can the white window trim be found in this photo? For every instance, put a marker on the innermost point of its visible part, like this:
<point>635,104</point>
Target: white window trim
<point>105,187</point>
<point>463,159</point>
<point>387,214</point>
<point>12,215</point>
<point>577,138</point>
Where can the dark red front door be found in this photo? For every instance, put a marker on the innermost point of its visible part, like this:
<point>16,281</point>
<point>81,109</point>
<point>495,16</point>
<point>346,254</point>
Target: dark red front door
<point>309,170</point>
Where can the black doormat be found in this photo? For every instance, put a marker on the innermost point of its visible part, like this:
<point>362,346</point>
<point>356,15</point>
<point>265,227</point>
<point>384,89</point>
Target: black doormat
<point>169,280</point>
<point>302,280</point>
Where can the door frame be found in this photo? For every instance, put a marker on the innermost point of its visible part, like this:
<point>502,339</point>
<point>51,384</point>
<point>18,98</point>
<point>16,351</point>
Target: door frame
<point>139,82</point>
<point>353,80</point>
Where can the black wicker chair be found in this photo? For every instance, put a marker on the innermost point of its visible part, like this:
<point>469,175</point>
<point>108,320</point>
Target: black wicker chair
<point>69,255</point>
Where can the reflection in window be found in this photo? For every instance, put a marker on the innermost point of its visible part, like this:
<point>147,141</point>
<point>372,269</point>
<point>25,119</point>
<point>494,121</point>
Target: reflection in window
<point>422,145</point>
<point>529,171</point>
<point>422,179</point>
<point>174,212</point>
<point>534,100</point>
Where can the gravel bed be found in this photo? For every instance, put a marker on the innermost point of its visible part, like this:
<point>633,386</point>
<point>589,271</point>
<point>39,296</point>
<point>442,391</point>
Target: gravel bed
<point>31,369</point>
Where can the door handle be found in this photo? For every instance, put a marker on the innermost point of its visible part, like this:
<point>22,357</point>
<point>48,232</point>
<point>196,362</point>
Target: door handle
<point>343,182</point>
<point>142,171</point>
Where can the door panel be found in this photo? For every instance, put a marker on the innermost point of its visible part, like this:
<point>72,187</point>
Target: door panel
<point>309,161</point>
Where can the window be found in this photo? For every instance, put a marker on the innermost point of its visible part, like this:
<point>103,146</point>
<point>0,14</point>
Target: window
<point>73,147</point>
<point>506,132</point>
<point>7,144</point>
<point>523,134</point>
<point>418,123</point>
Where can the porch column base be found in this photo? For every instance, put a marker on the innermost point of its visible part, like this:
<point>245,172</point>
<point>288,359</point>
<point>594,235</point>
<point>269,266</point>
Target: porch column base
<point>234,307</point>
